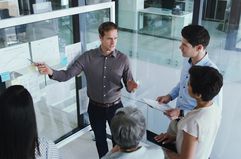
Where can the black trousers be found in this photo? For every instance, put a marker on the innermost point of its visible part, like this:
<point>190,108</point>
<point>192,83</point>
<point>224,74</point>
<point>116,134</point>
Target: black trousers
<point>98,117</point>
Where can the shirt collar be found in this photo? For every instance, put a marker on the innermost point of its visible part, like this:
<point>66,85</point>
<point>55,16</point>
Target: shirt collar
<point>112,54</point>
<point>201,62</point>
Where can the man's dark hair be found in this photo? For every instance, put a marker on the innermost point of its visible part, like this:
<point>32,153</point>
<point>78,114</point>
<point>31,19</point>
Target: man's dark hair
<point>105,27</point>
<point>195,35</point>
<point>206,81</point>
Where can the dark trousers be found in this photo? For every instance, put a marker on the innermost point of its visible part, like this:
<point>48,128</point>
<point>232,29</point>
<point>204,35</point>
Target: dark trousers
<point>98,117</point>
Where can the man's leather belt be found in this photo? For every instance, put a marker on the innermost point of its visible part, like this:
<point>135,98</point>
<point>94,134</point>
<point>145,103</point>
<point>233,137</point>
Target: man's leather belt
<point>105,104</point>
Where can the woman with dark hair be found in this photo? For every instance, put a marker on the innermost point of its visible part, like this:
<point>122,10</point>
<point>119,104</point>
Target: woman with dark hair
<point>196,131</point>
<point>18,135</point>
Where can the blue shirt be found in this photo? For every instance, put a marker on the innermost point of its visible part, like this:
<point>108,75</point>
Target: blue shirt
<point>184,100</point>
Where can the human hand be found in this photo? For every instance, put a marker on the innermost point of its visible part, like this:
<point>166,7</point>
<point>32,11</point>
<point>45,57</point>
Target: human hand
<point>43,68</point>
<point>116,148</point>
<point>172,113</point>
<point>131,85</point>
<point>164,99</point>
<point>165,138</point>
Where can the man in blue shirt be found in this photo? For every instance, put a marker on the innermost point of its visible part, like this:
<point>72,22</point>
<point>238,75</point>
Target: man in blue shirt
<point>195,39</point>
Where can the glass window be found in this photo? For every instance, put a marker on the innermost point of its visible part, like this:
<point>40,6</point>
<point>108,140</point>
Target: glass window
<point>9,8</point>
<point>94,20</point>
<point>14,8</point>
<point>44,41</point>
<point>222,19</point>
<point>156,60</point>
<point>150,34</point>
<point>50,41</point>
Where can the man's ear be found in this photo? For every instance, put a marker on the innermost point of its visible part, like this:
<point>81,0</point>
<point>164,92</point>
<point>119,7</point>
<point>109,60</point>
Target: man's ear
<point>198,96</point>
<point>199,48</point>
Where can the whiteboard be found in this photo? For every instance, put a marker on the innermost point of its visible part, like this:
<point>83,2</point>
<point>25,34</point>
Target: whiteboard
<point>46,50</point>
<point>14,57</point>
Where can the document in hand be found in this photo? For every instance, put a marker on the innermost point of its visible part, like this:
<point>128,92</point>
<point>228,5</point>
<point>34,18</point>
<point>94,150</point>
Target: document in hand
<point>155,105</point>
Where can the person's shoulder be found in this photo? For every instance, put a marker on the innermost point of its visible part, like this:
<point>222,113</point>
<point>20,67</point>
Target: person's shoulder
<point>47,148</point>
<point>44,142</point>
<point>153,152</point>
<point>201,115</point>
<point>121,56</point>
<point>88,54</point>
<point>115,155</point>
<point>91,51</point>
<point>153,148</point>
<point>209,62</point>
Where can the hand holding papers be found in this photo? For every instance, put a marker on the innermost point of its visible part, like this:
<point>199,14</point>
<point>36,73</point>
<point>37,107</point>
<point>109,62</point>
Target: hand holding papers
<point>43,68</point>
<point>155,105</point>
<point>132,85</point>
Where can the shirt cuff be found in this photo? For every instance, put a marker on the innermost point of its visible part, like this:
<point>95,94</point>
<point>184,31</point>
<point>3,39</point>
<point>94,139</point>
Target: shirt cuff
<point>170,96</point>
<point>183,112</point>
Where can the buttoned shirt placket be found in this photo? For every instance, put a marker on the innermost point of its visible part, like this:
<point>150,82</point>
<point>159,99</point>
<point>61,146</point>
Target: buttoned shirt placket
<point>105,78</point>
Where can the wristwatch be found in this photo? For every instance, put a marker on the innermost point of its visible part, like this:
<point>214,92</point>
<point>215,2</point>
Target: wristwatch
<point>181,113</point>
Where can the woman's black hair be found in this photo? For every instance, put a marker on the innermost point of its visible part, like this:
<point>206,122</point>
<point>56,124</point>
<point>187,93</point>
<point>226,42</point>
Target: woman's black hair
<point>18,128</point>
<point>206,81</point>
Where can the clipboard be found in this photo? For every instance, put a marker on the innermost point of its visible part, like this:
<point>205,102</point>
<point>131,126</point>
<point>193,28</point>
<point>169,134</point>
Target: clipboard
<point>155,105</point>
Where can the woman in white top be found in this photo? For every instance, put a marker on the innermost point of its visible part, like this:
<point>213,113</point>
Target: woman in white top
<point>198,129</point>
<point>18,135</point>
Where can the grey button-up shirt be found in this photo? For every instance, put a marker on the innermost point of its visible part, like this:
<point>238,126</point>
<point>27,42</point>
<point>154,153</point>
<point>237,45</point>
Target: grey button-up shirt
<point>103,74</point>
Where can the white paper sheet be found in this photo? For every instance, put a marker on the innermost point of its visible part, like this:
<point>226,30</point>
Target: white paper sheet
<point>46,50</point>
<point>155,105</point>
<point>42,7</point>
<point>31,82</point>
<point>72,52</point>
<point>14,57</point>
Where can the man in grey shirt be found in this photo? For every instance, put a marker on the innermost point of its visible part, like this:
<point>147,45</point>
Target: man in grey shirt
<point>104,68</point>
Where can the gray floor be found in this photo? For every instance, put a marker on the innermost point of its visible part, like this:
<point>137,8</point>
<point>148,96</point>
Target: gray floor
<point>84,147</point>
<point>81,148</point>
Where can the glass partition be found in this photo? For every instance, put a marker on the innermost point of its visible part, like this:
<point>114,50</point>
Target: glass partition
<point>224,51</point>
<point>49,38</point>
<point>152,42</point>
<point>94,20</point>
<point>157,24</point>
<point>151,39</point>
<point>44,41</point>
<point>156,60</point>
<point>14,8</point>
